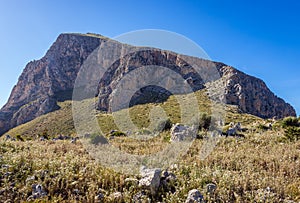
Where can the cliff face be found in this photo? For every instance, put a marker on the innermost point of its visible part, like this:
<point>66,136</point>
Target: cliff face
<point>252,95</point>
<point>43,81</point>
<point>50,79</point>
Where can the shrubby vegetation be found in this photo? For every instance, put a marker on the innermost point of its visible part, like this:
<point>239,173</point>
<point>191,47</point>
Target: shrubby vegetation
<point>291,127</point>
<point>257,168</point>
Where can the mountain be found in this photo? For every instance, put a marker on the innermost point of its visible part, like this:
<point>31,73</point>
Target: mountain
<point>51,79</point>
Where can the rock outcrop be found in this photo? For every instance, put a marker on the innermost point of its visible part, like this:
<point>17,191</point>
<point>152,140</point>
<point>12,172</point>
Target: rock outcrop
<point>252,95</point>
<point>51,79</point>
<point>48,80</point>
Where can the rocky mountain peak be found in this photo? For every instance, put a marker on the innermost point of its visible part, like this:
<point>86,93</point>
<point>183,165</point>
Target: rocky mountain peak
<point>51,79</point>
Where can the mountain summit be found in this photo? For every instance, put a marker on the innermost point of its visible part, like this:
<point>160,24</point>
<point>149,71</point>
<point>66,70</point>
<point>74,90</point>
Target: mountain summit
<point>51,79</point>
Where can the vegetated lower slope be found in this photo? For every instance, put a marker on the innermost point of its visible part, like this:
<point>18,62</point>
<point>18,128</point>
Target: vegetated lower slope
<point>61,121</point>
<point>54,123</point>
<point>263,166</point>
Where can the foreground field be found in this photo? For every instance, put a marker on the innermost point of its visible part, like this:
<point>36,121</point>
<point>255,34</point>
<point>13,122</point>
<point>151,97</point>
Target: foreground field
<point>262,164</point>
<point>258,168</point>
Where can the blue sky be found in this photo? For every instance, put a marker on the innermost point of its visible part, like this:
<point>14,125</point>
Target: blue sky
<point>260,38</point>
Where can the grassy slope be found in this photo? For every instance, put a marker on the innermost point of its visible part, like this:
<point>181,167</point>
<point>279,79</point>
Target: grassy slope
<point>61,121</point>
<point>241,168</point>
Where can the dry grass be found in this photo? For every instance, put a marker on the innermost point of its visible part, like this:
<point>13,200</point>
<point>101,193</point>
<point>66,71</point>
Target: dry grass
<point>242,169</point>
<point>262,167</point>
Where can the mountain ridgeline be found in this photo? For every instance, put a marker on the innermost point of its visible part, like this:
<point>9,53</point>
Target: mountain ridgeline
<point>51,79</point>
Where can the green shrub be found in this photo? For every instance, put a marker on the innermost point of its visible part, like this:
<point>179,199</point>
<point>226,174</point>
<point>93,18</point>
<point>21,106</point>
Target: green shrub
<point>262,127</point>
<point>290,122</point>
<point>163,125</point>
<point>144,131</point>
<point>19,137</point>
<point>45,134</point>
<point>96,139</point>
<point>117,134</point>
<point>204,121</point>
<point>292,133</point>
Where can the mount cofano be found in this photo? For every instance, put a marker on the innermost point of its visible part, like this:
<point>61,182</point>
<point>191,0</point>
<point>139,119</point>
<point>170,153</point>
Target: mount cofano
<point>51,79</point>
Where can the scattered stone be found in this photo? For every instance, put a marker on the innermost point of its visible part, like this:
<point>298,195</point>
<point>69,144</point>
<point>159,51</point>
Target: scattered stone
<point>141,197</point>
<point>37,192</point>
<point>150,179</point>
<point>211,188</point>
<point>7,137</point>
<point>76,191</point>
<point>31,178</point>
<point>233,129</point>
<point>174,167</point>
<point>74,183</point>
<point>181,132</point>
<point>264,195</point>
<point>116,196</point>
<point>99,198</point>
<point>5,166</point>
<point>132,181</point>
<point>194,196</point>
<point>7,174</point>
<point>73,141</point>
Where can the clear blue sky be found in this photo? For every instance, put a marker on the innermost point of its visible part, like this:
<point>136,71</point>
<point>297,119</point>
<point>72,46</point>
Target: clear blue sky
<point>260,38</point>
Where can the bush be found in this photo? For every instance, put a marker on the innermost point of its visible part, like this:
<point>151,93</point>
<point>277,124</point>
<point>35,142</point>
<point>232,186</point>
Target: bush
<point>117,134</point>
<point>44,134</point>
<point>96,139</point>
<point>19,137</point>
<point>144,131</point>
<point>262,127</point>
<point>204,122</point>
<point>163,125</point>
<point>292,133</point>
<point>290,122</point>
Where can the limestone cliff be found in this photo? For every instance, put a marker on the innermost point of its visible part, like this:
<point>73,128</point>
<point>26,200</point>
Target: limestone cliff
<point>51,79</point>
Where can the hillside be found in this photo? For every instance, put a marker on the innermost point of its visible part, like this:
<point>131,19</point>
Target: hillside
<point>61,121</point>
<point>261,166</point>
<point>51,79</point>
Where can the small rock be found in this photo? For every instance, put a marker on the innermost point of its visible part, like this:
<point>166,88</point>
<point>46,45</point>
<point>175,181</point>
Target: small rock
<point>7,174</point>
<point>211,188</point>
<point>99,198</point>
<point>194,196</point>
<point>5,166</point>
<point>38,191</point>
<point>141,197</point>
<point>7,137</point>
<point>31,178</point>
<point>116,196</point>
<point>74,183</point>
<point>132,181</point>
<point>174,167</point>
<point>76,191</point>
<point>181,132</point>
<point>150,179</point>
